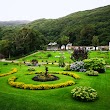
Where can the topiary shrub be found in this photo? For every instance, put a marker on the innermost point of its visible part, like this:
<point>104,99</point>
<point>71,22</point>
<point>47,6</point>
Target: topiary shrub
<point>92,73</point>
<point>96,64</point>
<point>84,93</point>
<point>78,66</point>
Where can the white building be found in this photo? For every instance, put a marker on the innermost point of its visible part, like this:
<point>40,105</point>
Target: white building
<point>52,46</point>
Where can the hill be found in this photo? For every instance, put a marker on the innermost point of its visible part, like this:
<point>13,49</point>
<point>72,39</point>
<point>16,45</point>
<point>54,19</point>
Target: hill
<point>78,26</point>
<point>13,23</point>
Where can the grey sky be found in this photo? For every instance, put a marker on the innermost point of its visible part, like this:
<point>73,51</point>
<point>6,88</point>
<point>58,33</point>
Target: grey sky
<point>36,9</point>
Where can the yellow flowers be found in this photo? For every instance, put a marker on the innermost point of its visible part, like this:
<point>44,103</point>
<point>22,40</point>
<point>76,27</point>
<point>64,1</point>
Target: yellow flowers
<point>74,75</point>
<point>22,85</point>
<point>14,70</point>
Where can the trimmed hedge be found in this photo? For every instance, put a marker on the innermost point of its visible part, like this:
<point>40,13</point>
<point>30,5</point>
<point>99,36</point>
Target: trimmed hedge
<point>14,70</point>
<point>22,85</point>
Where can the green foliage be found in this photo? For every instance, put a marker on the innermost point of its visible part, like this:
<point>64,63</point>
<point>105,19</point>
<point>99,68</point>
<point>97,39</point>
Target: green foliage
<point>31,69</point>
<point>79,54</point>
<point>61,61</point>
<point>77,28</point>
<point>84,93</point>
<point>100,54</point>
<point>49,55</point>
<point>95,41</point>
<point>80,27</point>
<point>67,68</point>
<point>92,73</point>
<point>97,64</point>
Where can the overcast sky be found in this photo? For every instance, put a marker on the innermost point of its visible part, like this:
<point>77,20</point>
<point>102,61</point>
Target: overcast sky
<point>36,9</point>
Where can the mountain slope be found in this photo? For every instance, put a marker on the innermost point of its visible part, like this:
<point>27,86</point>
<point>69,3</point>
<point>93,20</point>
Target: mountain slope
<point>13,23</point>
<point>97,21</point>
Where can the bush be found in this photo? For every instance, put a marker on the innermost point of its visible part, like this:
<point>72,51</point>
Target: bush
<point>78,66</point>
<point>79,54</point>
<point>49,55</point>
<point>96,64</point>
<point>31,69</point>
<point>67,68</point>
<point>92,73</point>
<point>5,64</point>
<point>34,62</point>
<point>84,93</point>
<point>61,61</point>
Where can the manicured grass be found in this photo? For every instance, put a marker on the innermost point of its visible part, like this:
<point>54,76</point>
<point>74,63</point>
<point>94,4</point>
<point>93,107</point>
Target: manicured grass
<point>101,54</point>
<point>42,56</point>
<point>55,99</point>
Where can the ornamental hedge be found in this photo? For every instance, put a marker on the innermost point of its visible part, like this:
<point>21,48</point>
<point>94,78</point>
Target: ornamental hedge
<point>14,70</point>
<point>22,85</point>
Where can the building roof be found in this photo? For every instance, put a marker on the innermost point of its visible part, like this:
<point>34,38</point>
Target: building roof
<point>54,43</point>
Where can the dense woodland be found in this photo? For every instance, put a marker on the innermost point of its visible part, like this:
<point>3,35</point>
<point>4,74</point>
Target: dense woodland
<point>79,28</point>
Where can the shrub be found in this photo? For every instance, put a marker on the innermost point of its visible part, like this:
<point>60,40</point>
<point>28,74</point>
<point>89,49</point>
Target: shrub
<point>67,68</point>
<point>96,64</point>
<point>79,54</point>
<point>34,62</point>
<point>84,93</point>
<point>31,69</point>
<point>78,66</point>
<point>61,61</point>
<point>92,73</point>
<point>49,55</point>
<point>5,64</point>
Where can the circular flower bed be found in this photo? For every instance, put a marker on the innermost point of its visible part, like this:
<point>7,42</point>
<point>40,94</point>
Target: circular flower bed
<point>22,85</point>
<point>44,78</point>
<point>84,93</point>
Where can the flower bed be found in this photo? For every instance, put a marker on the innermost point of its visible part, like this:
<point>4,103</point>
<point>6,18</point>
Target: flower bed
<point>74,75</point>
<point>14,70</point>
<point>22,85</point>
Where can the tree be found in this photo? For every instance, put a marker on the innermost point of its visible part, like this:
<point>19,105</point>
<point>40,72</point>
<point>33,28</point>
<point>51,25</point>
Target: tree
<point>86,35</point>
<point>64,40</point>
<point>95,41</point>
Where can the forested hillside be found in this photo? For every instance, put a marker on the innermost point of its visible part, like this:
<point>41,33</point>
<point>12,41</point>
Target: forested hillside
<point>79,27</point>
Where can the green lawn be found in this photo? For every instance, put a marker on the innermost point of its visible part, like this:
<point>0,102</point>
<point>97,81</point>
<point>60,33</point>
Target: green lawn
<point>55,99</point>
<point>42,56</point>
<point>100,54</point>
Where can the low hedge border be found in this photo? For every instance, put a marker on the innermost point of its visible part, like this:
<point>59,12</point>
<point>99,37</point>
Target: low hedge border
<point>14,70</point>
<point>74,75</point>
<point>21,85</point>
